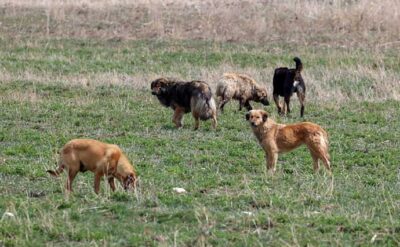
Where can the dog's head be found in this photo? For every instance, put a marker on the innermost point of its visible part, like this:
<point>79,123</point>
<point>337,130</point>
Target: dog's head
<point>257,117</point>
<point>261,96</point>
<point>129,182</point>
<point>126,173</point>
<point>158,86</point>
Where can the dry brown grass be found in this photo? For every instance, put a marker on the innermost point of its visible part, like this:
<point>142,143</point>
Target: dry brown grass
<point>342,84</point>
<point>311,23</point>
<point>333,22</point>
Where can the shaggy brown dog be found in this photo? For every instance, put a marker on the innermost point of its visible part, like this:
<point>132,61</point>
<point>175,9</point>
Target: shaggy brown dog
<point>184,97</point>
<point>242,88</point>
<point>286,82</point>
<point>80,155</point>
<point>278,138</point>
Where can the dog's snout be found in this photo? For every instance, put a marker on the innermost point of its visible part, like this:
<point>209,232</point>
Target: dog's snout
<point>265,102</point>
<point>153,93</point>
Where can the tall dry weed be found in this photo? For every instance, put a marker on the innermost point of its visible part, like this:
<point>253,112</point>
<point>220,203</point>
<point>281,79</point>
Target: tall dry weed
<point>337,22</point>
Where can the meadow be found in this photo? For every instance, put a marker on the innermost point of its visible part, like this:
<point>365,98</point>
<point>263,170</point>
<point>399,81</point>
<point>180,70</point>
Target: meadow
<point>54,88</point>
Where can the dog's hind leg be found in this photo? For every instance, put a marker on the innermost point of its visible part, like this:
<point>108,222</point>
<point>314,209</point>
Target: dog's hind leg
<point>301,97</point>
<point>111,183</point>
<point>315,161</point>
<point>196,115</point>
<point>286,106</point>
<point>178,115</point>
<point>319,150</point>
<point>276,100</point>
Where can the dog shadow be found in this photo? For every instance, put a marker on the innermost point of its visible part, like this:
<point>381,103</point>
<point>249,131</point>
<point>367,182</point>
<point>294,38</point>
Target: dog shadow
<point>169,127</point>
<point>204,128</point>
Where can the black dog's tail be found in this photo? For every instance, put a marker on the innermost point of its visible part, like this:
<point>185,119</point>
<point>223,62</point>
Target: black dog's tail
<point>299,64</point>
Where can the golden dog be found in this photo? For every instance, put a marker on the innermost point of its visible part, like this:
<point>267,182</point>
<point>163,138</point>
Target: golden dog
<point>80,155</point>
<point>278,138</point>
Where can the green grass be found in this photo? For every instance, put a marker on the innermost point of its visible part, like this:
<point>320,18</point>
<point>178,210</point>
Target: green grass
<point>223,171</point>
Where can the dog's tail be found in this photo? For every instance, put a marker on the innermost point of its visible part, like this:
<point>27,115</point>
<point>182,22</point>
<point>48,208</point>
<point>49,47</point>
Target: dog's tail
<point>325,143</point>
<point>203,105</point>
<point>299,64</point>
<point>220,91</point>
<point>58,171</point>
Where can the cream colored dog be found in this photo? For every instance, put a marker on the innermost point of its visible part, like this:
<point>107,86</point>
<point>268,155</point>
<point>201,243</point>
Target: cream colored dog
<point>279,138</point>
<point>242,88</point>
<point>80,155</point>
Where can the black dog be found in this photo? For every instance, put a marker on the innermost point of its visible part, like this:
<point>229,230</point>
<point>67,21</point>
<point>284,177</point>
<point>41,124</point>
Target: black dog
<point>286,82</point>
<point>184,97</point>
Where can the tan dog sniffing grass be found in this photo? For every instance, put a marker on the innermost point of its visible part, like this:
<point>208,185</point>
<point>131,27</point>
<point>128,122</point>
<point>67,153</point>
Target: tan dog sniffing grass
<point>80,155</point>
<point>242,88</point>
<point>279,138</point>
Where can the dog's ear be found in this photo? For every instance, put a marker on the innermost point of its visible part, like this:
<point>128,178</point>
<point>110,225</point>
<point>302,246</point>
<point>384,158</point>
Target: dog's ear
<point>247,116</point>
<point>264,116</point>
<point>113,156</point>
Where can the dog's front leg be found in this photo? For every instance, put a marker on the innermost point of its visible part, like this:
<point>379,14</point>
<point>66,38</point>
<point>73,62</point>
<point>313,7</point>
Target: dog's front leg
<point>214,121</point>
<point>70,179</point>
<point>111,183</point>
<point>222,104</point>
<point>248,106</point>
<point>241,104</point>
<point>271,157</point>
<point>196,123</point>
<point>97,179</point>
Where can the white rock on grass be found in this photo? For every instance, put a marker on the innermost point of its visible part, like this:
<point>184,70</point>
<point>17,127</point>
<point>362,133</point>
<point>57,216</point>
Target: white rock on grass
<point>179,190</point>
<point>8,215</point>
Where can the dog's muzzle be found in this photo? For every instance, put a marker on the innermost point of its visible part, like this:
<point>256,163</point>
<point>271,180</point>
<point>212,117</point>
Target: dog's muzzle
<point>265,102</point>
<point>153,93</point>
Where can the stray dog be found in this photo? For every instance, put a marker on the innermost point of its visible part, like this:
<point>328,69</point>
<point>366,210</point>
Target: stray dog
<point>286,82</point>
<point>240,87</point>
<point>278,138</point>
<point>80,155</point>
<point>184,97</point>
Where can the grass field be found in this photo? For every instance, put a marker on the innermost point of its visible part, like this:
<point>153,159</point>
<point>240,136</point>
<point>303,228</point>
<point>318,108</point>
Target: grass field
<point>53,91</point>
<point>82,69</point>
